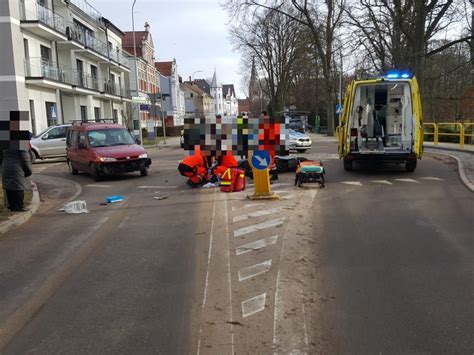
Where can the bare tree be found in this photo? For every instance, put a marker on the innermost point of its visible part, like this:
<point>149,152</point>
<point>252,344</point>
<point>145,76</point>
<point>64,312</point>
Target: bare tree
<point>321,19</point>
<point>271,39</point>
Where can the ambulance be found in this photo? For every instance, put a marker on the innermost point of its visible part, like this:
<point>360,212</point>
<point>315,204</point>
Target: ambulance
<point>382,121</point>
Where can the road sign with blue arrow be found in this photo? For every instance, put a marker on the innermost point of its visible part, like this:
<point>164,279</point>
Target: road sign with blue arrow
<point>261,159</point>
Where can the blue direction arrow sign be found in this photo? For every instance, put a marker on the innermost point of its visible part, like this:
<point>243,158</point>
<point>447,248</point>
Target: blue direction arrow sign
<point>261,159</point>
<point>338,109</point>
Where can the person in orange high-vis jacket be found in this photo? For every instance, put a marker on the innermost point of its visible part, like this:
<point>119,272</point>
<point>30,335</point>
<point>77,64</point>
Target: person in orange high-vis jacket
<point>269,137</point>
<point>195,167</point>
<point>223,163</point>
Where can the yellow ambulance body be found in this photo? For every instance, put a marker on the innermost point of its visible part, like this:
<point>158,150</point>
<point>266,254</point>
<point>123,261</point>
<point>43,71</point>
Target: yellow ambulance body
<point>382,121</point>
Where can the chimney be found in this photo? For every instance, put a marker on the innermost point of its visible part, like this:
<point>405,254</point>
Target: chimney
<point>147,27</point>
<point>190,79</point>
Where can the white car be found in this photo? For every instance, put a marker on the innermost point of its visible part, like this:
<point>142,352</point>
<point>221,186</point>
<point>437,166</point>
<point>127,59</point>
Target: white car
<point>299,141</point>
<point>51,143</point>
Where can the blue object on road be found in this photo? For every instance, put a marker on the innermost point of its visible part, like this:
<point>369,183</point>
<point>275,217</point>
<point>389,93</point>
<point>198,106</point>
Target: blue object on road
<point>261,159</point>
<point>112,199</point>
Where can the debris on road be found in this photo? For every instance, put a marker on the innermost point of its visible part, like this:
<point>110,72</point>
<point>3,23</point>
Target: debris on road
<point>113,199</point>
<point>160,198</point>
<point>75,207</point>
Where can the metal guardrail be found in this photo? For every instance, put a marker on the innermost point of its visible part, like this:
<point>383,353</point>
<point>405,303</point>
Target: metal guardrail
<point>445,129</point>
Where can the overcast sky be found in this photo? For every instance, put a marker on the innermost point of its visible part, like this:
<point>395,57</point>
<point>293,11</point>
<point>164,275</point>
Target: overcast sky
<point>195,32</point>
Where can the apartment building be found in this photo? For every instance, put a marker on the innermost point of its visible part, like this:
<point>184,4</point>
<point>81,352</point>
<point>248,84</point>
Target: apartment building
<point>148,76</point>
<point>171,92</point>
<point>65,62</point>
<point>198,103</point>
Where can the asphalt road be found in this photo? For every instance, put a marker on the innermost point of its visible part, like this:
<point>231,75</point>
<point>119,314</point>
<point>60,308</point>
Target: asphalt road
<point>379,261</point>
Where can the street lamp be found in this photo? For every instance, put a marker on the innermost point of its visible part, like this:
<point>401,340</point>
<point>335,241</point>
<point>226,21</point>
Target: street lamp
<point>192,76</point>
<point>137,122</point>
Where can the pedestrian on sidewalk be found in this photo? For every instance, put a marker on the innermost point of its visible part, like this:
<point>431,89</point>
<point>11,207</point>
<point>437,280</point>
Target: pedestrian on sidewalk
<point>16,167</point>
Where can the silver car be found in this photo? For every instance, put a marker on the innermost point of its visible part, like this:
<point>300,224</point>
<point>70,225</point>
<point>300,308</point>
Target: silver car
<point>51,143</point>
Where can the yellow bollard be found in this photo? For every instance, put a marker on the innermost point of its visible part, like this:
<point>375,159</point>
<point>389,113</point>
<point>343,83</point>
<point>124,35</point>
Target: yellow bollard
<point>261,180</point>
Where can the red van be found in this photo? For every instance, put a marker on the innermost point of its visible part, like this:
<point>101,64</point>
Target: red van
<point>101,148</point>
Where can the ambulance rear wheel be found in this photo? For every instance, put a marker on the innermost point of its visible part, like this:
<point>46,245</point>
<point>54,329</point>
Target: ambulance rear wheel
<point>410,166</point>
<point>347,165</point>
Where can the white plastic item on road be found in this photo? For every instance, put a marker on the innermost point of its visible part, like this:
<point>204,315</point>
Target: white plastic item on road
<point>75,207</point>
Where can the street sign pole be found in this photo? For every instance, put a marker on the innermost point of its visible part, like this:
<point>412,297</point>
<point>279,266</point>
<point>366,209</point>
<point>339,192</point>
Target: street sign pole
<point>260,161</point>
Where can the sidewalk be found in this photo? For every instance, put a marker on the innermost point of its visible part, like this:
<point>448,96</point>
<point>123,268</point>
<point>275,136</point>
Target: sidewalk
<point>170,142</point>
<point>464,157</point>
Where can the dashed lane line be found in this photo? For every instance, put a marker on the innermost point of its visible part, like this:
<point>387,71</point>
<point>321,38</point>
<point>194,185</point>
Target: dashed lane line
<point>259,244</point>
<point>258,226</point>
<point>432,178</point>
<point>157,187</point>
<point>97,185</point>
<point>257,214</point>
<point>408,180</point>
<point>355,183</point>
<point>385,182</point>
<point>254,270</point>
<point>254,305</point>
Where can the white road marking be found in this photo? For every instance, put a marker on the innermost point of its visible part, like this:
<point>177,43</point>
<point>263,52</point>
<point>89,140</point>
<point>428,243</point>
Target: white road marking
<point>229,276</point>
<point>257,214</point>
<point>259,226</point>
<point>254,270</point>
<point>157,187</point>
<point>97,185</point>
<point>288,197</point>
<point>248,205</point>
<point>386,182</point>
<point>253,305</point>
<point>407,180</point>
<point>206,285</point>
<point>355,183</point>
<point>259,244</point>
<point>281,191</point>
<point>432,178</point>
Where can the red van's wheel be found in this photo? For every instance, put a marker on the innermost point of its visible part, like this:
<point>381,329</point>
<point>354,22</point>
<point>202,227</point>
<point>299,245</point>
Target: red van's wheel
<point>95,172</point>
<point>144,172</point>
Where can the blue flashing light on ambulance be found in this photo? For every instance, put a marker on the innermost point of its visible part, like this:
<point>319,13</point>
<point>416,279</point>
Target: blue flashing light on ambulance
<point>382,121</point>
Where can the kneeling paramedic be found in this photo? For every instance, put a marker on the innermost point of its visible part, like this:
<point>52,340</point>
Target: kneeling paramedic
<point>195,167</point>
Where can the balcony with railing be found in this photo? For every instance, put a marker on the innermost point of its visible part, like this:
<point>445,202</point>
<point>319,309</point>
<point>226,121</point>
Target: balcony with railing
<point>35,20</point>
<point>39,68</point>
<point>112,88</point>
<point>119,57</point>
<point>87,9</point>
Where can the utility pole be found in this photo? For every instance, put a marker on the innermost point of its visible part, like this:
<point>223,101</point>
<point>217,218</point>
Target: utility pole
<point>136,118</point>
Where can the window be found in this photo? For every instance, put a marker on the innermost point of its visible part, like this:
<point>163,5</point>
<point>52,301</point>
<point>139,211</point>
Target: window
<point>80,72</point>
<point>95,83</point>
<point>45,53</point>
<point>82,139</point>
<point>115,114</point>
<point>84,113</point>
<point>97,113</point>
<point>51,113</point>
<point>191,95</point>
<point>25,47</point>
<point>57,133</point>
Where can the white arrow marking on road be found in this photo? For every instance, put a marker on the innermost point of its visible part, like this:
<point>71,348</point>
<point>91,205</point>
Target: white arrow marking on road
<point>254,270</point>
<point>257,214</point>
<point>407,180</point>
<point>259,244</point>
<point>259,226</point>
<point>355,183</point>
<point>262,161</point>
<point>386,182</point>
<point>253,305</point>
<point>432,178</point>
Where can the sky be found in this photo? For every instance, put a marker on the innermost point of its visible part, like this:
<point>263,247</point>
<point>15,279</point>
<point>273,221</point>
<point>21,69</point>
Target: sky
<point>195,32</point>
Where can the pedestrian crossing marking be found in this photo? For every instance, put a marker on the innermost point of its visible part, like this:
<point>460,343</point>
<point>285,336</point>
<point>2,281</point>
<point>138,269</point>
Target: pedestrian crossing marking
<point>258,226</point>
<point>254,270</point>
<point>253,305</point>
<point>259,244</point>
<point>257,214</point>
<point>432,178</point>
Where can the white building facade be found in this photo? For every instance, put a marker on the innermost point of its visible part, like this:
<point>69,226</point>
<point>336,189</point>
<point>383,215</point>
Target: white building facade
<point>172,95</point>
<point>216,93</point>
<point>231,104</point>
<point>65,63</point>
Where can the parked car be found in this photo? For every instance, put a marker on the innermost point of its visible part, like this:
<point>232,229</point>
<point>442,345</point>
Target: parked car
<point>51,143</point>
<point>299,141</point>
<point>181,138</point>
<point>102,149</point>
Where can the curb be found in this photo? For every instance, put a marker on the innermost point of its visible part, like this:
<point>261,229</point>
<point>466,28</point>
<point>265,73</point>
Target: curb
<point>462,171</point>
<point>448,148</point>
<point>18,219</point>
